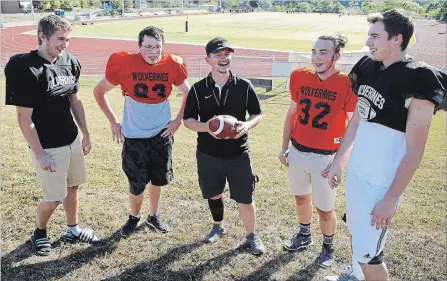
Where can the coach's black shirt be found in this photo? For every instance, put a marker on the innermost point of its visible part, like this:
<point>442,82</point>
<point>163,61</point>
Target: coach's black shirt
<point>383,94</point>
<point>236,99</point>
<point>34,82</point>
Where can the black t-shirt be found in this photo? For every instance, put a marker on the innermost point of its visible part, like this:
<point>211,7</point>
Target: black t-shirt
<point>33,82</point>
<point>236,99</point>
<point>383,94</point>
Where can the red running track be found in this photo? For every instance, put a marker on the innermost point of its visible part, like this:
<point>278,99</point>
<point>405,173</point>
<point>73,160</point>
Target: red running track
<point>93,53</point>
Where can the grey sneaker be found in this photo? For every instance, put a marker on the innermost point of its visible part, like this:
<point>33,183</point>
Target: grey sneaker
<point>255,244</point>
<point>327,257</point>
<point>297,242</point>
<point>157,224</point>
<point>346,275</point>
<point>214,235</point>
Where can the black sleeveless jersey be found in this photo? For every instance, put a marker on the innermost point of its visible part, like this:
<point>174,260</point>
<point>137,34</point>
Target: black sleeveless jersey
<point>33,82</point>
<point>384,94</point>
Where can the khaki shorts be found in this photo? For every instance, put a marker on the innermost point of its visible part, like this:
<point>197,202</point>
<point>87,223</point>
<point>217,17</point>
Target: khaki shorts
<point>305,177</point>
<point>70,171</point>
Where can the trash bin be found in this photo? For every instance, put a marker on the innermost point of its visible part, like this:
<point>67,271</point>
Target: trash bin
<point>59,12</point>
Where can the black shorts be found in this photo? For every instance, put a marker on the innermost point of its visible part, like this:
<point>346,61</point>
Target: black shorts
<point>147,160</point>
<point>215,171</point>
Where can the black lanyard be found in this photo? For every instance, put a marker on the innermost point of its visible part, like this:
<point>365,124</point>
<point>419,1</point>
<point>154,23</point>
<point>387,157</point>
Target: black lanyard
<point>225,99</point>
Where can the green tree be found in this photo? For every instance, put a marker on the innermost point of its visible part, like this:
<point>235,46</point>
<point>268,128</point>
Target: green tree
<point>56,4</point>
<point>67,5</point>
<point>433,6</point>
<point>254,4</point>
<point>84,4</point>
<point>327,6</point>
<point>95,3</point>
<point>339,8</point>
<point>408,6</point>
<point>443,12</point>
<point>305,7</point>
<point>37,5</point>
<point>369,7</point>
<point>265,4</point>
<point>46,5</point>
<point>128,5</point>
<point>116,4</point>
<point>234,3</point>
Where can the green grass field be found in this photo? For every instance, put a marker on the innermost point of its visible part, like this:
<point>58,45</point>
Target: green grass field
<point>416,250</point>
<point>276,31</point>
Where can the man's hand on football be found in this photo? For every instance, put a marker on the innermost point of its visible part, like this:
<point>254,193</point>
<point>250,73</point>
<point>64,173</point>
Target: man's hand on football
<point>241,128</point>
<point>383,213</point>
<point>209,130</point>
<point>171,128</point>
<point>284,157</point>
<point>117,133</point>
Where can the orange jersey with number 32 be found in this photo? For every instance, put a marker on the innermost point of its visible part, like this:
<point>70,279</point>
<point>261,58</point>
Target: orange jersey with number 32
<point>143,82</point>
<point>320,120</point>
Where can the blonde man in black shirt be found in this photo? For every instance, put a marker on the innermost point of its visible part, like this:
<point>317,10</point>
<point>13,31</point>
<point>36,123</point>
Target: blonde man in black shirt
<point>44,85</point>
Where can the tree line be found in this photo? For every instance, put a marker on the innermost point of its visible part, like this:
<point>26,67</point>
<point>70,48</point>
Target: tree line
<point>424,8</point>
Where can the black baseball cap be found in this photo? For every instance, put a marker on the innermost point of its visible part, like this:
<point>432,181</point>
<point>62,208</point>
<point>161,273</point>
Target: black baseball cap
<point>217,44</point>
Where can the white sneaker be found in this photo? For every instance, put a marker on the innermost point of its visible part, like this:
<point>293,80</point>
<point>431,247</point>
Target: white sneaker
<point>348,274</point>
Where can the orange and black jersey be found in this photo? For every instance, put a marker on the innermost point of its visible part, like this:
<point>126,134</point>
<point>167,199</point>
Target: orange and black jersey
<point>143,82</point>
<point>321,110</point>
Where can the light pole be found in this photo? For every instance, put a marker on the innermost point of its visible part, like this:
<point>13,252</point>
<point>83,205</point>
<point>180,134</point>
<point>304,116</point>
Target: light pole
<point>32,10</point>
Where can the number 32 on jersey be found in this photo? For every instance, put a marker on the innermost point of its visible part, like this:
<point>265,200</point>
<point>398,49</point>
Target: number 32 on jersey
<point>304,116</point>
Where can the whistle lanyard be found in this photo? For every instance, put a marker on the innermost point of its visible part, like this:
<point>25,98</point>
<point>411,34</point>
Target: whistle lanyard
<point>225,99</point>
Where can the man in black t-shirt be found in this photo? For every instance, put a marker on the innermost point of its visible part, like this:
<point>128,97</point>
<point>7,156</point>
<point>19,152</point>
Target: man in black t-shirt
<point>43,85</point>
<point>387,135</point>
<point>221,160</point>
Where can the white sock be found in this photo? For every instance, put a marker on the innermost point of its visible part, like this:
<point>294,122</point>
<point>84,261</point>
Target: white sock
<point>75,229</point>
<point>357,270</point>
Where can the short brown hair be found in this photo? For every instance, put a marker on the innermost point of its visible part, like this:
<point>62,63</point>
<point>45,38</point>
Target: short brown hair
<point>395,23</point>
<point>48,25</point>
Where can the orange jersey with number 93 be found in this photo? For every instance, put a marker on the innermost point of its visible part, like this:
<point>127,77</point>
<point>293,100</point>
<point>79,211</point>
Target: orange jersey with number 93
<point>143,82</point>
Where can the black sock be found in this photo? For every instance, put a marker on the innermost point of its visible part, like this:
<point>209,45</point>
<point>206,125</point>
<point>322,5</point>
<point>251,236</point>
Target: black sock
<point>40,233</point>
<point>305,229</point>
<point>217,209</point>
<point>327,240</point>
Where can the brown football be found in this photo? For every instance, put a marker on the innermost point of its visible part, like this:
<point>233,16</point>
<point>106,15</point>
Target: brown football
<point>223,126</point>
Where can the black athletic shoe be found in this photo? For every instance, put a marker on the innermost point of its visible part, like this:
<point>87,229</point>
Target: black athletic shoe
<point>130,226</point>
<point>215,233</point>
<point>298,242</point>
<point>157,224</point>
<point>255,244</point>
<point>327,257</point>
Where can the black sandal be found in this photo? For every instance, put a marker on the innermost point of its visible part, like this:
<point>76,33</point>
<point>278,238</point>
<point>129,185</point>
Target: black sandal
<point>41,246</point>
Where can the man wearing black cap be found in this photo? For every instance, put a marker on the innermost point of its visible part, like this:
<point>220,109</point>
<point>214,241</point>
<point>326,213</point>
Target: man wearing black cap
<point>221,160</point>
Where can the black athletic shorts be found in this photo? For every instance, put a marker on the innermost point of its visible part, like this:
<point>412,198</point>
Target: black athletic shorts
<point>147,160</point>
<point>214,172</point>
